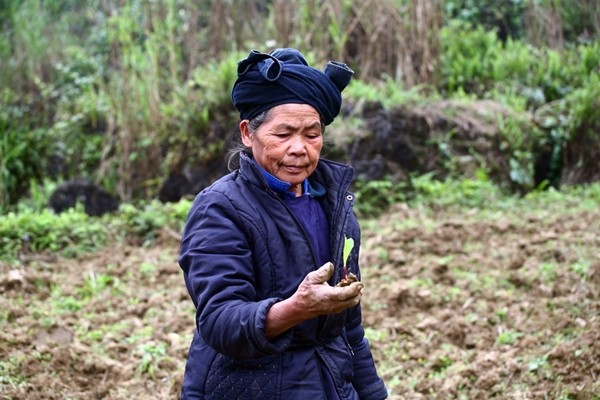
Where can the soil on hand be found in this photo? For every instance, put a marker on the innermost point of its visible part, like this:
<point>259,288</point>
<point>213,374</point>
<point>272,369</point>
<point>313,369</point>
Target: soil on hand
<point>348,280</point>
<point>459,304</point>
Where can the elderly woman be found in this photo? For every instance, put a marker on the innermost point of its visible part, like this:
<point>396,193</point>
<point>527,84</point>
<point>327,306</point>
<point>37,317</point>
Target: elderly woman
<point>262,250</point>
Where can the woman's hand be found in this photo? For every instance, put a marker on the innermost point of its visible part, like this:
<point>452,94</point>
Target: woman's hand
<point>313,297</point>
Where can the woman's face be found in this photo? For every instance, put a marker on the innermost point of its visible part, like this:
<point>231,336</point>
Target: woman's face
<point>288,144</point>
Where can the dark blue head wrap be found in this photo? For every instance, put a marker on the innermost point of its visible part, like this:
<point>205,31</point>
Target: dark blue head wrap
<point>283,76</point>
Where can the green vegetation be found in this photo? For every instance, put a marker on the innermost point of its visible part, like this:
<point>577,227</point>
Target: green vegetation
<point>508,337</point>
<point>125,93</point>
<point>375,197</point>
<point>74,233</point>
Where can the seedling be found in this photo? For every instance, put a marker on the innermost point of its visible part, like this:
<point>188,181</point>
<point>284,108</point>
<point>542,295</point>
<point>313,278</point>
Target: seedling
<point>348,246</point>
<point>347,278</point>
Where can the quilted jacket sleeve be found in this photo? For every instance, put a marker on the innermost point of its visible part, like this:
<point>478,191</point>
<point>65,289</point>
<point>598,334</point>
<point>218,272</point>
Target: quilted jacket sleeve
<point>218,270</point>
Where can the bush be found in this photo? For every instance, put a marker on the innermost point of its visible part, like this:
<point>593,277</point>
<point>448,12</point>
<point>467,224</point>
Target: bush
<point>374,197</point>
<point>73,232</point>
<point>469,193</point>
<point>503,16</point>
<point>474,60</point>
<point>30,231</point>
<point>147,220</point>
<point>23,151</point>
<point>21,159</point>
<point>468,57</point>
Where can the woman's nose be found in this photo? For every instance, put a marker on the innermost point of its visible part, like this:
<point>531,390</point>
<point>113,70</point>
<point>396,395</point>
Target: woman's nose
<point>297,145</point>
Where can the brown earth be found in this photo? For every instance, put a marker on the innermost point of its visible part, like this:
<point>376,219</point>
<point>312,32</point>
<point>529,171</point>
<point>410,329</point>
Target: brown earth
<point>458,304</point>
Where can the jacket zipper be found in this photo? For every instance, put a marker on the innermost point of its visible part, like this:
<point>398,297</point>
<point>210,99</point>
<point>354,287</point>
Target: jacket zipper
<point>339,243</point>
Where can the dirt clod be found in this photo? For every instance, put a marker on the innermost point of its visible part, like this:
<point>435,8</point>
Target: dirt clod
<point>347,281</point>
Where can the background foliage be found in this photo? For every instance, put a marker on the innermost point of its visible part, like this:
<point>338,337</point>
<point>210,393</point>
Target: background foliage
<point>123,92</point>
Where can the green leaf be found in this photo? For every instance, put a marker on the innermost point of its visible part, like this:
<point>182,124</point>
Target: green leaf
<point>348,246</point>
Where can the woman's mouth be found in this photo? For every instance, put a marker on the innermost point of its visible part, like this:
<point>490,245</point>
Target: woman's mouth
<point>294,168</point>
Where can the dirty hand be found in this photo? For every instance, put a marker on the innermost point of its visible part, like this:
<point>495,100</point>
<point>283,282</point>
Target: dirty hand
<point>316,297</point>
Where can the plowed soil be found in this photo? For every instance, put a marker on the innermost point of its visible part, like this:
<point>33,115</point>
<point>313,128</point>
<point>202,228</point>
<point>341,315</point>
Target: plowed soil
<point>463,304</point>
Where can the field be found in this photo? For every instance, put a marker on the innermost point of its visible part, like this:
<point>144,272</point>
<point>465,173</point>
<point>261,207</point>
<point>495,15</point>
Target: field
<point>495,301</point>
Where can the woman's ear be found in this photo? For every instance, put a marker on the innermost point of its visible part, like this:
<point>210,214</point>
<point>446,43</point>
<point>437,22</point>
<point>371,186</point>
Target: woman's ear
<point>245,133</point>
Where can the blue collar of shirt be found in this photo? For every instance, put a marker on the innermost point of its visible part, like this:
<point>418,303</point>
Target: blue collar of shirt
<point>282,187</point>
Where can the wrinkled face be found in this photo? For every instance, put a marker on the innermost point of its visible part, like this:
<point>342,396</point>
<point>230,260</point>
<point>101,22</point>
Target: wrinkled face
<point>288,143</point>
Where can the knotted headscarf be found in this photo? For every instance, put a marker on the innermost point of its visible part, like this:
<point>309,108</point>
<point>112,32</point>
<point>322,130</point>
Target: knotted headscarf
<point>283,76</point>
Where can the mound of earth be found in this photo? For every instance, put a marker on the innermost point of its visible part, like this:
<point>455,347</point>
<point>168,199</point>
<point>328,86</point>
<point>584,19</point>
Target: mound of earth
<point>519,150</point>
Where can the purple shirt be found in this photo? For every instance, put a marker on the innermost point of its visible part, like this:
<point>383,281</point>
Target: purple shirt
<point>309,212</point>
